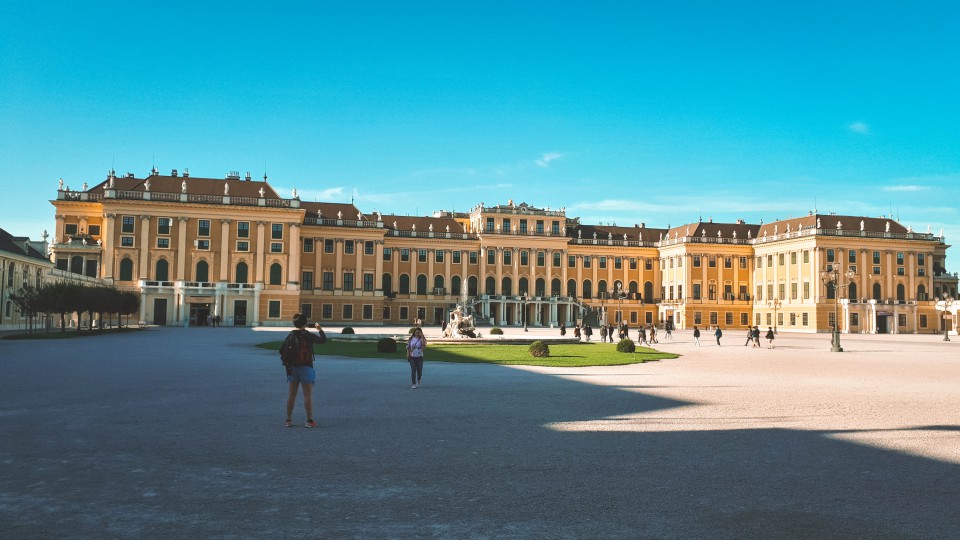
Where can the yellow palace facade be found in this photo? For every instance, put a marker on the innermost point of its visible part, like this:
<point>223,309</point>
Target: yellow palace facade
<point>233,248</point>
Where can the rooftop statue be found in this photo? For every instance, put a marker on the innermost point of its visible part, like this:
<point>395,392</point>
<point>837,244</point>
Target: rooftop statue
<point>226,188</point>
<point>183,186</point>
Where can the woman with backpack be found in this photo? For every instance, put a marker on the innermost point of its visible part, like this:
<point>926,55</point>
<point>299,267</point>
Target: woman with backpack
<point>769,337</point>
<point>296,353</point>
<point>415,346</point>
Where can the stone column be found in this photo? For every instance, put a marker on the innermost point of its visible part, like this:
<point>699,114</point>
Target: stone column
<point>414,254</point>
<point>358,269</point>
<point>260,260</point>
<point>181,248</point>
<point>378,265</point>
<point>293,260</point>
<point>109,253</point>
<point>498,286</point>
<point>145,247</point>
<point>225,250</point>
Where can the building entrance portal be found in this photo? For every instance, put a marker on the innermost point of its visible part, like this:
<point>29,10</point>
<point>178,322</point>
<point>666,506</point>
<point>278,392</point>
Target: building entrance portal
<point>199,314</point>
<point>882,327</point>
<point>240,313</point>
<point>160,311</point>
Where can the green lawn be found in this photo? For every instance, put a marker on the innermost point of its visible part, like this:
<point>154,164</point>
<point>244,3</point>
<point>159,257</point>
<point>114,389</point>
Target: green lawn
<point>561,355</point>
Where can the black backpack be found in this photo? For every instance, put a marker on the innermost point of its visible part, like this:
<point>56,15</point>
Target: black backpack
<point>290,349</point>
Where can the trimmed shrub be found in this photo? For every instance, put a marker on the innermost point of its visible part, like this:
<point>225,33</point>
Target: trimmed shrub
<point>347,330</point>
<point>496,331</point>
<point>387,345</point>
<point>539,349</point>
<point>626,345</point>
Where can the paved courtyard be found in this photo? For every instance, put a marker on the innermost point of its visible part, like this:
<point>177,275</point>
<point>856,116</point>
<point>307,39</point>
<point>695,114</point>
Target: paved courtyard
<point>175,432</point>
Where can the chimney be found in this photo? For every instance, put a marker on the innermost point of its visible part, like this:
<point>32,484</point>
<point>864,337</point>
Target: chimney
<point>186,173</point>
<point>173,173</point>
<point>247,177</point>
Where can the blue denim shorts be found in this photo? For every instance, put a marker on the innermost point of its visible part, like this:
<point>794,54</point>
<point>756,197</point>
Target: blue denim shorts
<point>302,374</point>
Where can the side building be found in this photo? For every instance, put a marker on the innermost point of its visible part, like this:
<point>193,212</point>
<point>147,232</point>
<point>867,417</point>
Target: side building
<point>234,248</point>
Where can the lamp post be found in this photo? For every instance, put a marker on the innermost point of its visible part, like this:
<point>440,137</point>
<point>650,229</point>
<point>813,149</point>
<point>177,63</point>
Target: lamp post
<point>833,276</point>
<point>523,314</point>
<point>944,304</point>
<point>775,304</point>
<point>619,292</point>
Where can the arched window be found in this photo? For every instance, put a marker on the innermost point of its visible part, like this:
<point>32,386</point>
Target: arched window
<point>422,284</point>
<point>76,264</point>
<point>922,293</point>
<point>831,290</point>
<point>540,287</point>
<point>438,282</point>
<point>876,292</point>
<point>506,286</point>
<point>10,275</point>
<point>617,286</point>
<point>555,287</point>
<point>523,286</point>
<point>455,285</point>
<point>241,276</point>
<point>162,271</point>
<point>587,289</point>
<point>472,285</point>
<point>852,292</point>
<point>633,289</point>
<point>386,284</point>
<point>126,269</point>
<point>490,285</point>
<point>404,284</point>
<point>276,274</point>
<point>572,288</point>
<point>203,272</point>
<point>602,288</point>
<point>901,292</point>
<point>647,291</point>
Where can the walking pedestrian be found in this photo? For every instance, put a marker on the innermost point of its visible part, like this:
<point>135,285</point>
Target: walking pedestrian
<point>415,346</point>
<point>576,332</point>
<point>696,336</point>
<point>769,337</point>
<point>563,330</point>
<point>718,333</point>
<point>587,331</point>
<point>668,330</point>
<point>756,336</point>
<point>296,352</point>
<point>749,336</point>
<point>653,334</point>
<point>603,333</point>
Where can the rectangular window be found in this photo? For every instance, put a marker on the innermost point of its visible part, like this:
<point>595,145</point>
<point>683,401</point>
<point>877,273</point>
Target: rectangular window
<point>474,257</point>
<point>273,309</point>
<point>203,227</point>
<point>163,225</point>
<point>770,291</point>
<point>923,321</point>
<point>368,248</point>
<point>728,318</point>
<point>539,226</point>
<point>243,245</point>
<point>902,319</point>
<point>327,311</point>
<point>793,319</point>
<point>127,224</point>
<point>793,257</point>
<point>793,291</point>
<point>759,292</point>
<point>368,281</point>
<point>490,224</point>
<point>782,291</point>
<point>491,256</point>
<point>728,262</point>
<point>276,231</point>
<point>633,264</point>
<point>523,226</point>
<point>506,226</point>
<point>876,257</point>
<point>713,318</point>
<point>456,257</point>
<point>769,261</point>
<point>555,227</point>
<point>203,244</point>
<point>126,241</point>
<point>806,257</point>
<point>900,271</point>
<point>387,254</point>
<point>328,245</point>
<point>507,257</point>
<point>558,259</point>
<point>744,319</point>
<point>852,256</point>
<point>756,319</point>
<point>921,257</point>
<point>275,247</point>
<point>586,261</point>
<point>805,319</point>
<point>648,264</point>
<point>94,230</point>
<point>404,254</point>
<point>921,271</point>
<point>603,262</point>
<point>438,255</point>
<point>348,281</point>
<point>697,318</point>
<point>404,313</point>
<point>712,262</point>
<point>348,247</point>
<point>696,261</point>
<point>769,319</point>
<point>70,229</point>
<point>571,261</point>
<point>386,313</point>
<point>743,263</point>
<point>780,259</point>
<point>541,258</point>
<point>648,317</point>
<point>307,281</point>
<point>367,312</point>
<point>806,290</point>
<point>633,317</point>
<point>243,229</point>
<point>163,243</point>
<point>876,270</point>
<point>899,258</point>
<point>696,291</point>
<point>308,245</point>
<point>830,255</point>
<point>328,281</point>
<point>347,312</point>
<point>306,310</point>
<point>854,319</point>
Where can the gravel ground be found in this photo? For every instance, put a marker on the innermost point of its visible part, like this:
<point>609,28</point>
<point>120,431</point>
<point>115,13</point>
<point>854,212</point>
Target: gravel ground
<point>175,432</point>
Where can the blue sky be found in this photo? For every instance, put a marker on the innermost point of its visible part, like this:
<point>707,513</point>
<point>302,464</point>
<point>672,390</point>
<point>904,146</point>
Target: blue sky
<point>626,112</point>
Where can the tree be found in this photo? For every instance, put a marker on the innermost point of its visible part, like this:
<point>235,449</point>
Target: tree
<point>129,303</point>
<point>26,300</point>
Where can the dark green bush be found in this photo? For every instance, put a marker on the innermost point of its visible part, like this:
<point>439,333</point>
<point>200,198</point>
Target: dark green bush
<point>387,345</point>
<point>626,345</point>
<point>347,330</point>
<point>496,331</point>
<point>539,349</point>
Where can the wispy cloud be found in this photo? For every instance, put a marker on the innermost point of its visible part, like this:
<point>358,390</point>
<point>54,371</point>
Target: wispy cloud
<point>906,188</point>
<point>545,159</point>
<point>859,127</point>
<point>335,194</point>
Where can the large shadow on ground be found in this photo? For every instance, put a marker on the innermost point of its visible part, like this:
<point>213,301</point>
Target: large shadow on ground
<point>187,443</point>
